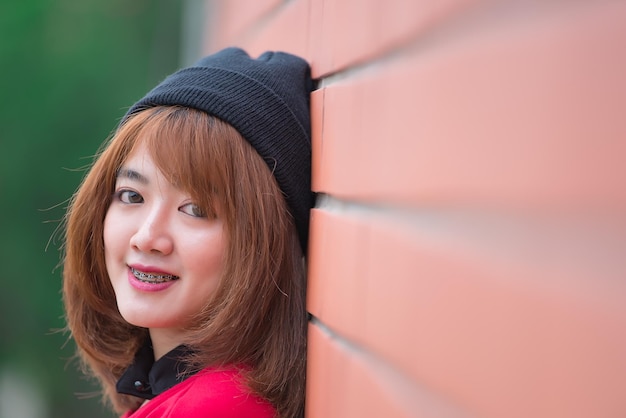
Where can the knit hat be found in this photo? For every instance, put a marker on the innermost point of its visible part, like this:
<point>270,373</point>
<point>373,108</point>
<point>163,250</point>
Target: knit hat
<point>266,100</point>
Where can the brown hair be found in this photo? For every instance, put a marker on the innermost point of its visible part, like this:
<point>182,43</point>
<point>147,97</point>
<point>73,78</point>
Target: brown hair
<point>257,317</point>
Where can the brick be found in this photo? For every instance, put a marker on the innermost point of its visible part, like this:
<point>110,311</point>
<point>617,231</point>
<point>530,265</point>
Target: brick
<point>287,29</point>
<point>317,122</point>
<point>336,271</point>
<point>232,18</point>
<point>353,31</point>
<point>504,318</point>
<point>526,114</point>
<point>342,382</point>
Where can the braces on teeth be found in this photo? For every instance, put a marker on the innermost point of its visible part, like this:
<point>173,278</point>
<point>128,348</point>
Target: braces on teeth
<point>152,278</point>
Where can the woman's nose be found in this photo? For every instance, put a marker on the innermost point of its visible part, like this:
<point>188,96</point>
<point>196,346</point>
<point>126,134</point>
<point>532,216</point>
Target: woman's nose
<point>153,235</point>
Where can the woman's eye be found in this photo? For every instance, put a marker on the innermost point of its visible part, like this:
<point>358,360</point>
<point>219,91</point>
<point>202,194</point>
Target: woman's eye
<point>193,210</point>
<point>129,196</point>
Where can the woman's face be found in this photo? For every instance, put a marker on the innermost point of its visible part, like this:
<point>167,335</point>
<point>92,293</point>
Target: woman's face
<point>164,256</point>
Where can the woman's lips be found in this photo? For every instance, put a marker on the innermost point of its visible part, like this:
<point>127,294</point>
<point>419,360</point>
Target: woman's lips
<point>152,276</point>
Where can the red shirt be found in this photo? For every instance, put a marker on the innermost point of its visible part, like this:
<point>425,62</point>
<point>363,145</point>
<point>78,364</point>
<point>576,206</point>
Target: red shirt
<point>208,393</point>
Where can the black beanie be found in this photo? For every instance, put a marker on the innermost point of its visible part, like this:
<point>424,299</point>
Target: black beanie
<point>266,100</point>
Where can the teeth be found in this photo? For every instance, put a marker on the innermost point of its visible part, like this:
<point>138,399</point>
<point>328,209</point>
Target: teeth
<point>152,278</point>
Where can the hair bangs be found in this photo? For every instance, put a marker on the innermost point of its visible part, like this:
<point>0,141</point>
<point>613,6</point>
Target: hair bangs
<point>185,145</point>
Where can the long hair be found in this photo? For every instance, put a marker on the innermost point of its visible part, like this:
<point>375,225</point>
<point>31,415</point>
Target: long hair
<point>257,316</point>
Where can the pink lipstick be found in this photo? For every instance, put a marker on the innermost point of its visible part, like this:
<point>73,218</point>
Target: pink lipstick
<point>150,279</point>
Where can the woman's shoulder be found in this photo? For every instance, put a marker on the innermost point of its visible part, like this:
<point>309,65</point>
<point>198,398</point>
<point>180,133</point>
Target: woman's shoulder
<point>224,388</point>
<point>219,393</point>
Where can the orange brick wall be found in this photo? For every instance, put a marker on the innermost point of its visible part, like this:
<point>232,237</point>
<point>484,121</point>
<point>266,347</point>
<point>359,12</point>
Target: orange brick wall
<point>468,245</point>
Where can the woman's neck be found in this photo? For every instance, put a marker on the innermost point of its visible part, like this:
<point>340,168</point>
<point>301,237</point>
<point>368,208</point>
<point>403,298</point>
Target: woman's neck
<point>164,340</point>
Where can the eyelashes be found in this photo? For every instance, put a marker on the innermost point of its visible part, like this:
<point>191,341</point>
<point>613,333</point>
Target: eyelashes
<point>128,196</point>
<point>131,197</point>
<point>194,210</point>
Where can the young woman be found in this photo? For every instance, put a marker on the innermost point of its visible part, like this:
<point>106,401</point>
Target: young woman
<point>184,279</point>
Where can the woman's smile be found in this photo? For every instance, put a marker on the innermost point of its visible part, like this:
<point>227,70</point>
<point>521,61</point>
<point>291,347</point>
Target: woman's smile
<point>152,277</point>
<point>149,282</point>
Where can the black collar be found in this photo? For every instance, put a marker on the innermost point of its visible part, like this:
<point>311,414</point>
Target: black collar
<point>146,378</point>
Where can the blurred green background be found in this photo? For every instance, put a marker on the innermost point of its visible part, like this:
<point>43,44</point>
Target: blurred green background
<point>69,70</point>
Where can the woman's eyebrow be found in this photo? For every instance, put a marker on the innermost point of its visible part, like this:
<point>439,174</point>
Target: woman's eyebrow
<point>131,175</point>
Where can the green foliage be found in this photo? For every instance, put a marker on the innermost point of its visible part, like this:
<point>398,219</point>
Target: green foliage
<point>70,69</point>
